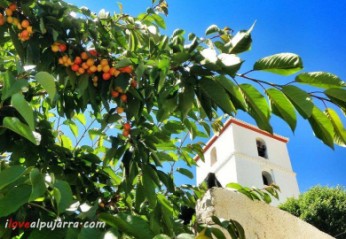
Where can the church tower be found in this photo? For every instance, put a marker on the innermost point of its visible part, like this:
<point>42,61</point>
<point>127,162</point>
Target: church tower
<point>247,155</point>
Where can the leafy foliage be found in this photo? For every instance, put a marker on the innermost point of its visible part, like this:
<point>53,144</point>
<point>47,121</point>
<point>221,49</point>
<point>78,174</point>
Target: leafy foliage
<point>323,207</point>
<point>93,107</point>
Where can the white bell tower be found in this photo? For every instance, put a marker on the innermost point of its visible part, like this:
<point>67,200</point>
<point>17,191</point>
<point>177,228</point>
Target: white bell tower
<point>247,155</point>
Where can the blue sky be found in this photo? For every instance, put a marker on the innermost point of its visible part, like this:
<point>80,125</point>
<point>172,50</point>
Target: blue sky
<point>315,30</point>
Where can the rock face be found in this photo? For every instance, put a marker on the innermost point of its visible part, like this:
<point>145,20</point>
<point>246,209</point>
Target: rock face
<point>259,220</point>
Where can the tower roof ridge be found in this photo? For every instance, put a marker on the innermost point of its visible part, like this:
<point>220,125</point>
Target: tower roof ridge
<point>243,124</point>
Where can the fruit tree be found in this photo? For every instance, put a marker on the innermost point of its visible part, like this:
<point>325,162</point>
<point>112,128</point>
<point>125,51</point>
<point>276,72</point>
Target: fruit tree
<point>93,105</point>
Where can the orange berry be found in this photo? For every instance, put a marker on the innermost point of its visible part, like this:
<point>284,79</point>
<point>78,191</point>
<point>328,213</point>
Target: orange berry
<point>106,68</point>
<point>2,19</point>
<point>65,58</point>
<point>81,70</point>
<point>12,7</point>
<point>54,47</point>
<point>106,76</point>
<point>24,34</point>
<point>120,110</point>
<point>8,12</point>
<point>16,23</point>
<point>61,61</point>
<point>104,62</point>
<point>134,83</point>
<point>25,23</point>
<point>115,94</point>
<point>116,73</point>
<point>9,19</point>
<point>123,98</point>
<point>112,70</point>
<point>127,126</point>
<point>126,133</point>
<point>93,52</point>
<point>85,66</point>
<point>95,79</point>
<point>90,62</point>
<point>69,62</point>
<point>29,29</point>
<point>126,69</point>
<point>77,60</point>
<point>119,89</point>
<point>84,55</point>
<point>93,69</point>
<point>99,68</point>
<point>62,47</point>
<point>75,67</point>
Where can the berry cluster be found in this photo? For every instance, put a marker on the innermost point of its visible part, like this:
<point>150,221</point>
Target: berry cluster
<point>90,63</point>
<point>126,129</point>
<point>24,27</point>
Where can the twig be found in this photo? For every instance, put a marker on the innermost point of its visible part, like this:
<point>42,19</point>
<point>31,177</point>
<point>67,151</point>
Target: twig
<point>43,208</point>
<point>259,81</point>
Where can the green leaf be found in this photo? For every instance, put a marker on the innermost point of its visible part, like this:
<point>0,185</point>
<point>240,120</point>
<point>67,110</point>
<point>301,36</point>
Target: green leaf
<point>217,94</point>
<point>185,236</point>
<point>65,141</point>
<point>149,189</point>
<point>10,175</point>
<point>339,129</point>
<point>236,186</point>
<point>257,106</point>
<point>14,199</point>
<point>73,127</point>
<point>162,236</point>
<point>48,83</point>
<point>180,57</point>
<point>83,83</point>
<point>48,234</point>
<point>11,86</point>
<point>63,195</point>
<point>236,96</point>
<point>337,96</point>
<point>186,100</point>
<point>116,180</point>
<point>230,63</point>
<point>23,107</point>
<point>38,184</point>
<point>217,233</point>
<point>241,41</point>
<point>185,172</point>
<point>282,107</point>
<point>130,224</point>
<point>300,99</point>
<point>159,21</point>
<point>320,79</point>
<point>167,105</point>
<point>282,64</point>
<point>212,29</point>
<point>167,211</point>
<point>123,62</point>
<point>18,127</point>
<point>322,126</point>
<point>235,226</point>
<point>94,233</point>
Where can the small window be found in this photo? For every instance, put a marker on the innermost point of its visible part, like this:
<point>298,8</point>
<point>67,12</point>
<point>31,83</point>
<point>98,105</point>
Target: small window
<point>267,178</point>
<point>213,156</point>
<point>261,148</point>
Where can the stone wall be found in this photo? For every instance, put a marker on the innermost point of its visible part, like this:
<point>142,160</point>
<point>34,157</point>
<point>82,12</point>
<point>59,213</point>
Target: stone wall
<point>259,220</point>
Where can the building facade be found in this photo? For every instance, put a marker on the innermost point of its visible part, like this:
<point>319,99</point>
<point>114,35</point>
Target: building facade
<point>244,154</point>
